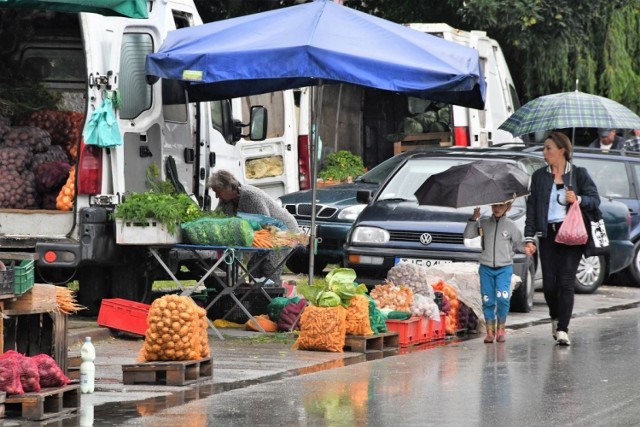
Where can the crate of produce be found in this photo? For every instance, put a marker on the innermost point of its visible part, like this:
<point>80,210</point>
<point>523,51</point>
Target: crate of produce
<point>124,315</point>
<point>23,278</point>
<point>255,303</point>
<point>437,329</point>
<point>408,330</point>
<point>145,233</point>
<point>6,277</point>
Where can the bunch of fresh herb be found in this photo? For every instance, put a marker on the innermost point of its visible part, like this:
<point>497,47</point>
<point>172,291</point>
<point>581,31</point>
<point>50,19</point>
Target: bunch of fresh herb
<point>169,209</point>
<point>341,165</point>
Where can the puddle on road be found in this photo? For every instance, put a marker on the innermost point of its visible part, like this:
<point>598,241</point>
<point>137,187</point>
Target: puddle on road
<point>115,413</point>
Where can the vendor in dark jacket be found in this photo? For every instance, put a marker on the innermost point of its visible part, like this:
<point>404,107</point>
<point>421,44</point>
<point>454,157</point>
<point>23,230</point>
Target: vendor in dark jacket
<point>553,189</point>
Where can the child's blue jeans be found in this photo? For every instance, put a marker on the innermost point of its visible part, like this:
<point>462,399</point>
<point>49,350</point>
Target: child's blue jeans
<point>495,288</point>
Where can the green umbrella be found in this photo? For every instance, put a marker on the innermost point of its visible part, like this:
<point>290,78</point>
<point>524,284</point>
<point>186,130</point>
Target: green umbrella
<point>126,8</point>
<point>570,110</point>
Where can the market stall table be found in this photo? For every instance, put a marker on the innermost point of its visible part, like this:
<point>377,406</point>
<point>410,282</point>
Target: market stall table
<point>234,260</point>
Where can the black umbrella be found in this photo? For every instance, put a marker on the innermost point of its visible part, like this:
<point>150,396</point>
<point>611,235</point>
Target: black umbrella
<point>482,182</point>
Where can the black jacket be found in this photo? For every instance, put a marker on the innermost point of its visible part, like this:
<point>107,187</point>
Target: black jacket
<point>540,192</point>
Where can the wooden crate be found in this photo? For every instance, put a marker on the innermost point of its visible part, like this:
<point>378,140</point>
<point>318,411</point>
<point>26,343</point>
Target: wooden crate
<point>47,403</point>
<point>37,333</point>
<point>372,343</point>
<point>422,140</point>
<point>168,373</point>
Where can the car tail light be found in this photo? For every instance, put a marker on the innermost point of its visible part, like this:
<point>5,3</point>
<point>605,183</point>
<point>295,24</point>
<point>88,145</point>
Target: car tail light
<point>461,136</point>
<point>89,169</point>
<point>303,162</point>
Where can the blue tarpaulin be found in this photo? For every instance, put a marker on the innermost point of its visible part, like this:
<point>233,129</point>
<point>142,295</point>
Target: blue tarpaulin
<point>316,43</point>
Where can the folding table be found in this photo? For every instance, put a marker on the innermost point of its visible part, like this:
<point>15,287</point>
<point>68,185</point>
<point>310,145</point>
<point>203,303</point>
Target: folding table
<point>234,260</point>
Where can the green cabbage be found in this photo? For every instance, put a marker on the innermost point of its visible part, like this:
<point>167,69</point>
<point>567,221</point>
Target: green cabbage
<point>328,299</point>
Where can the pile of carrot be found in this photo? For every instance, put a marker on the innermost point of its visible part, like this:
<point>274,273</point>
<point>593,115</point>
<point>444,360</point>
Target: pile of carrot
<point>66,301</point>
<point>262,239</point>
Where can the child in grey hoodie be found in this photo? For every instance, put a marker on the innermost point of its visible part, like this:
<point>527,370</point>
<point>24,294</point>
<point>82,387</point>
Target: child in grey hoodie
<point>500,238</point>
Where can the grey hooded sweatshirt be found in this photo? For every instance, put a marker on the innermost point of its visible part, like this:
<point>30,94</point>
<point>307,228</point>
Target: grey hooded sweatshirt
<point>500,239</point>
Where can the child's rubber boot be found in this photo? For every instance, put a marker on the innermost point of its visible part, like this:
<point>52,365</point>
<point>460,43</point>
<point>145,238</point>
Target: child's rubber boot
<point>501,335</point>
<point>491,332</point>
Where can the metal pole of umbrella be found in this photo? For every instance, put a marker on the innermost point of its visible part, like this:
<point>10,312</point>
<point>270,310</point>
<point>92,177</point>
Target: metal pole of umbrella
<point>316,105</point>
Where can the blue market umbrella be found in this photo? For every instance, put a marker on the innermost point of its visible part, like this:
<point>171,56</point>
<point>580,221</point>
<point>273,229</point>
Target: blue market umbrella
<point>316,43</point>
<point>570,110</point>
<point>311,44</point>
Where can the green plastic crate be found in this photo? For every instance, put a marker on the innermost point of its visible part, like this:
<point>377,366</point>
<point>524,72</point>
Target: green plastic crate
<point>23,278</point>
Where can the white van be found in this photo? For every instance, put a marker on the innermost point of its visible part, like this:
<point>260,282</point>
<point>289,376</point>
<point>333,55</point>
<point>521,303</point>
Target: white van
<point>479,128</point>
<point>67,64</point>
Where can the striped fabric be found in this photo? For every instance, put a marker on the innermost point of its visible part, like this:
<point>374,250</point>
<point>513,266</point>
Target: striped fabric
<point>570,110</point>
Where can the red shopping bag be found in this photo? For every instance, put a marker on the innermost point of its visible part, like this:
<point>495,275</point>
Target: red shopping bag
<point>572,232</point>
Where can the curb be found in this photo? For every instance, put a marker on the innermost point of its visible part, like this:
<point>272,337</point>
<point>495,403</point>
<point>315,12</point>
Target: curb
<point>77,336</point>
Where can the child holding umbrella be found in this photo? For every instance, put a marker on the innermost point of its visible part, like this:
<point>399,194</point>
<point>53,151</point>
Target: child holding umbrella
<point>500,239</point>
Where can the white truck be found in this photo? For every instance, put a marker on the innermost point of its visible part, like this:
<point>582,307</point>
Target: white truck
<point>67,64</point>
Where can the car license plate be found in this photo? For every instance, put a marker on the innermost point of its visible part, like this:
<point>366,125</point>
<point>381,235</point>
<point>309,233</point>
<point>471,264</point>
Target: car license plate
<point>306,229</point>
<point>423,262</point>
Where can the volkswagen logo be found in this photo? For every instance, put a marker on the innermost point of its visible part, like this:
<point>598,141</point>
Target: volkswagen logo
<point>426,239</point>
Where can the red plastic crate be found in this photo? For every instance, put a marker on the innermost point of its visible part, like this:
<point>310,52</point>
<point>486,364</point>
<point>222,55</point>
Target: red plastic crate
<point>409,331</point>
<point>124,315</point>
<point>437,329</point>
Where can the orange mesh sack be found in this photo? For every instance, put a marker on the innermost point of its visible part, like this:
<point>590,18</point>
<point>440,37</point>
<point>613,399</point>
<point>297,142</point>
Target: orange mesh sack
<point>263,320</point>
<point>357,321</point>
<point>177,330</point>
<point>322,329</point>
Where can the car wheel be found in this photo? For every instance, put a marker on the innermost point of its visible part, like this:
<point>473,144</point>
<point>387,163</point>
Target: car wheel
<point>633,271</point>
<point>522,298</point>
<point>590,274</point>
<point>298,263</point>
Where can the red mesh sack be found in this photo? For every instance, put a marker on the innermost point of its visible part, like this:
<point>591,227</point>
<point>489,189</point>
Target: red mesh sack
<point>10,376</point>
<point>289,314</point>
<point>50,373</point>
<point>27,369</point>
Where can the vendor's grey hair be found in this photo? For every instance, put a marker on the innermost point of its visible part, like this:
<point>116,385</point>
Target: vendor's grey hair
<point>223,180</point>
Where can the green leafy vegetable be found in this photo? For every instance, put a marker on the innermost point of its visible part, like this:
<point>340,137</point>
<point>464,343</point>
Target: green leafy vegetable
<point>328,299</point>
<point>342,165</point>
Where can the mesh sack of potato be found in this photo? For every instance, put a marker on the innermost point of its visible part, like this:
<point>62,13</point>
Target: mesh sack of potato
<point>177,331</point>
<point>322,329</point>
<point>411,275</point>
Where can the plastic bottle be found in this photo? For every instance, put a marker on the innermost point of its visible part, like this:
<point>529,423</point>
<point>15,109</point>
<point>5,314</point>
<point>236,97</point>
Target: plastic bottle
<point>87,368</point>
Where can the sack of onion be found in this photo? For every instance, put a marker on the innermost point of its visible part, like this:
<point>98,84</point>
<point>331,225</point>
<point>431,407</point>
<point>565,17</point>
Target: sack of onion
<point>177,331</point>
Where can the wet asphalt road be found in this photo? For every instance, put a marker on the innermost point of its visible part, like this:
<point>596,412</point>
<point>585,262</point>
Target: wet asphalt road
<point>527,381</point>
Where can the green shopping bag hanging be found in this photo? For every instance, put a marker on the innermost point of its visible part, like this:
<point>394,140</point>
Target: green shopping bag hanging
<point>102,128</point>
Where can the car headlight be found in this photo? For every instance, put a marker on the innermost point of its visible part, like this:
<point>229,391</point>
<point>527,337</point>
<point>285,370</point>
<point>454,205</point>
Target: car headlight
<point>369,235</point>
<point>351,213</point>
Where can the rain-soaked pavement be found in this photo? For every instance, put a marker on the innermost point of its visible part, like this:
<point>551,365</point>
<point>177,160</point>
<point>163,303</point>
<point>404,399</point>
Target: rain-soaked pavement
<point>527,381</point>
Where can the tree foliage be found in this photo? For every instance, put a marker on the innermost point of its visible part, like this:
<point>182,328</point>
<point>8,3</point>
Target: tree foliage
<point>549,44</point>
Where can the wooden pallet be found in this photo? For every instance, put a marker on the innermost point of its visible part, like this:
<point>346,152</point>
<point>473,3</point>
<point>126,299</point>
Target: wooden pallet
<point>168,373</point>
<point>45,404</point>
<point>367,344</point>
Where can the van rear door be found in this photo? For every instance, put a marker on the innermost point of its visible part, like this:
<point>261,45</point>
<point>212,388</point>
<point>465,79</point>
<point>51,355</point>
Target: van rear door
<point>272,164</point>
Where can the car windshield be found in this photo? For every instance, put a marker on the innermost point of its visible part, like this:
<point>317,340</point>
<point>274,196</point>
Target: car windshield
<point>413,173</point>
<point>379,173</point>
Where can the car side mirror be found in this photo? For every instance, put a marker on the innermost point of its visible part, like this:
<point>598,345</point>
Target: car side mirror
<point>258,123</point>
<point>364,196</point>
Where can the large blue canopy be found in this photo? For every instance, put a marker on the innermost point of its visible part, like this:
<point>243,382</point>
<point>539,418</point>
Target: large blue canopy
<point>317,43</point>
